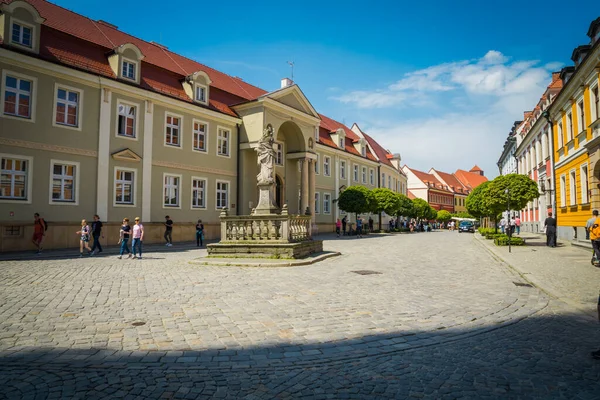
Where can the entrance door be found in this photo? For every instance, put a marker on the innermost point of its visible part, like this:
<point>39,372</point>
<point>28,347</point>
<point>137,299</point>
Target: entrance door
<point>278,191</point>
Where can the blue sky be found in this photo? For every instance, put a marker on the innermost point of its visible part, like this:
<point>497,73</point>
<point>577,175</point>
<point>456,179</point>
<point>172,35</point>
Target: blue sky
<point>440,82</point>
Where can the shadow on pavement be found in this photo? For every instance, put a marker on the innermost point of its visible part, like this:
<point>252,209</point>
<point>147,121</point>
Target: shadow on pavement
<point>546,356</point>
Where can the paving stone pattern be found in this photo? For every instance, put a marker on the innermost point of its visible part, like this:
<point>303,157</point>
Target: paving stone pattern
<point>444,319</point>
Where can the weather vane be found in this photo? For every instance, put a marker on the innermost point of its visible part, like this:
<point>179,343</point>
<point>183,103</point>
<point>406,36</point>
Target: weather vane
<point>291,63</point>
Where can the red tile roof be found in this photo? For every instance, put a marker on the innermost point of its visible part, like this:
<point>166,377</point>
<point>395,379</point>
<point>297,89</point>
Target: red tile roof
<point>411,195</point>
<point>379,151</point>
<point>453,182</point>
<point>470,179</point>
<point>79,42</point>
<point>429,178</point>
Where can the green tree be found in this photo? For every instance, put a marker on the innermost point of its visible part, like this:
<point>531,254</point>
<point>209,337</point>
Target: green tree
<point>422,209</point>
<point>385,200</point>
<point>433,213</point>
<point>405,206</point>
<point>521,190</point>
<point>357,200</point>
<point>444,216</point>
<point>463,214</point>
<point>476,204</point>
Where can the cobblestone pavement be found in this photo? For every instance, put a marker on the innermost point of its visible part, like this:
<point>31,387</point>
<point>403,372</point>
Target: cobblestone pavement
<point>442,319</point>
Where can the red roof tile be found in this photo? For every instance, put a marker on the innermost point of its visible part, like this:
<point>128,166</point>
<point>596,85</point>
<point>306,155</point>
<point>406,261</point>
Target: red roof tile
<point>379,151</point>
<point>329,126</point>
<point>429,178</point>
<point>470,179</point>
<point>455,185</point>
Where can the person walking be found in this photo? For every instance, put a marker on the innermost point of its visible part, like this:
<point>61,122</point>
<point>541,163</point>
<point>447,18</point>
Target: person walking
<point>344,222</point>
<point>96,232</point>
<point>593,228</point>
<point>338,226</point>
<point>518,224</point>
<point>84,238</point>
<point>359,225</point>
<point>503,224</point>
<point>124,234</point>
<point>138,238</point>
<point>39,231</point>
<point>550,226</point>
<point>370,224</point>
<point>199,233</point>
<point>168,231</point>
<point>391,223</point>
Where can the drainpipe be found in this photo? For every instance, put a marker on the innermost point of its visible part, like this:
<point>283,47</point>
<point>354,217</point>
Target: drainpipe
<point>237,183</point>
<point>546,115</point>
<point>379,185</point>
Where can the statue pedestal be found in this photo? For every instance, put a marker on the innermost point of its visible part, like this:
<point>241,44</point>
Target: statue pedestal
<point>266,196</point>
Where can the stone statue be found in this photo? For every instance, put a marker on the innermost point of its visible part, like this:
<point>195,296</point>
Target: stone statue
<point>266,157</point>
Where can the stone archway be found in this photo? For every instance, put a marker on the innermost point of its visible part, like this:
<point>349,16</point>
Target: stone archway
<point>278,191</point>
<point>290,134</point>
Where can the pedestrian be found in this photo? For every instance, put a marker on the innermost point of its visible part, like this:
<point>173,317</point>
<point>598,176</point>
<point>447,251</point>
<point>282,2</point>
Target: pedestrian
<point>359,226</point>
<point>168,231</point>
<point>84,238</point>
<point>391,222</point>
<point>593,226</point>
<point>96,232</point>
<point>39,231</point>
<point>550,227</point>
<point>589,223</point>
<point>370,224</point>
<point>338,226</point>
<point>138,238</point>
<point>199,233</point>
<point>503,225</point>
<point>512,226</point>
<point>344,222</point>
<point>124,238</point>
<point>518,224</point>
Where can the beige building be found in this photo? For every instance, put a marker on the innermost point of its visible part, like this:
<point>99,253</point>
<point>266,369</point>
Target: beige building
<point>95,121</point>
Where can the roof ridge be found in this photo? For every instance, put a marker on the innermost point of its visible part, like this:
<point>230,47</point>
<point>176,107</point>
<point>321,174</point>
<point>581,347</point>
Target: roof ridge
<point>103,34</point>
<point>172,59</point>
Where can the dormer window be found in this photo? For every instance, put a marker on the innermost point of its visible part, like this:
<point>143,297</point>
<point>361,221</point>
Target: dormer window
<point>363,150</point>
<point>22,34</point>
<point>201,93</point>
<point>341,144</point>
<point>128,69</point>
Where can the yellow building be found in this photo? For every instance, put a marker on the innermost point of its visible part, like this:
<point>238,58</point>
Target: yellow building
<point>576,139</point>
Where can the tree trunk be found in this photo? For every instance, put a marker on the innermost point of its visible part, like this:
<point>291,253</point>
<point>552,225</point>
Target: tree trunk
<point>380,220</point>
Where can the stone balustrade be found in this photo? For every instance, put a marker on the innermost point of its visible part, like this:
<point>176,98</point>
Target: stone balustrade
<point>271,228</point>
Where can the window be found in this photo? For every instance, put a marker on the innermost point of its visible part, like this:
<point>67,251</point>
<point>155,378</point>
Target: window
<point>14,178</point>
<point>124,186</point>
<point>173,130</point>
<point>128,70</point>
<point>560,135</point>
<point>326,166</point>
<point>316,134</point>
<point>341,143</point>
<point>572,188</point>
<point>223,142</point>
<point>317,198</point>
<point>372,176</point>
<point>355,173</point>
<point>584,184</point>
<point>63,182</point>
<point>171,190</point>
<point>326,203</point>
<point>570,126</point>
<point>389,182</point>
<point>22,35</point>
<point>595,104</point>
<point>17,96</point>
<point>343,169</point>
<point>126,124</point>
<point>580,116</point>
<point>222,194</point>
<point>198,193</point>
<point>363,150</point>
<point>67,107</point>
<point>364,175</point>
<point>200,130</point>
<point>316,163</point>
<point>201,93</point>
<point>383,180</point>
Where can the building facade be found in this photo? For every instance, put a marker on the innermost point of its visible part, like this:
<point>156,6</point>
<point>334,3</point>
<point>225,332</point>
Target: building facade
<point>427,187</point>
<point>576,139</point>
<point>507,163</point>
<point>96,121</point>
<point>459,190</point>
<point>536,160</point>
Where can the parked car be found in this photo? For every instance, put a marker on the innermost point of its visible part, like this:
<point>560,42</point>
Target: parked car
<point>466,226</point>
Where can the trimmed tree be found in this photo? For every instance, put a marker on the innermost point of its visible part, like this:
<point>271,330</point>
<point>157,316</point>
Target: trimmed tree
<point>422,209</point>
<point>476,204</point>
<point>521,190</point>
<point>386,201</point>
<point>444,216</point>
<point>405,206</point>
<point>357,200</point>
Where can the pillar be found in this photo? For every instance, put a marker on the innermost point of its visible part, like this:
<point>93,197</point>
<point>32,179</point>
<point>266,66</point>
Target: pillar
<point>311,187</point>
<point>304,202</point>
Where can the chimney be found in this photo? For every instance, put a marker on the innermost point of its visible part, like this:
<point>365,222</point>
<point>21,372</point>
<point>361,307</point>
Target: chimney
<point>285,82</point>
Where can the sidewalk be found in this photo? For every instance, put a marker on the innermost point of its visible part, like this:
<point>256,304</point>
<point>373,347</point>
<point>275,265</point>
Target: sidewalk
<point>108,251</point>
<point>564,272</point>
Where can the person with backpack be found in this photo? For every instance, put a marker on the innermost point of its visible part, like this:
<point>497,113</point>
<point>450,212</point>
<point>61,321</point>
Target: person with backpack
<point>595,234</point>
<point>84,238</point>
<point>96,232</point>
<point>39,231</point>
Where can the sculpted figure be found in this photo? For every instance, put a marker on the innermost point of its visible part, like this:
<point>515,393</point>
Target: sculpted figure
<point>266,157</point>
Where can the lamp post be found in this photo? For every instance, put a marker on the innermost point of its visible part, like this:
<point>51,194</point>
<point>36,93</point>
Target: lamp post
<point>507,191</point>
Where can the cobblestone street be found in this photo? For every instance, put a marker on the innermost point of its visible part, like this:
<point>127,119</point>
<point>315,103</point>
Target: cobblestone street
<point>440,317</point>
